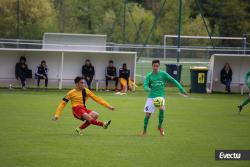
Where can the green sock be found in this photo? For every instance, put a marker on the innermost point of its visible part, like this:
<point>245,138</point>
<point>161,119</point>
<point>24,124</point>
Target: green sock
<point>146,123</point>
<point>161,117</point>
<point>245,102</point>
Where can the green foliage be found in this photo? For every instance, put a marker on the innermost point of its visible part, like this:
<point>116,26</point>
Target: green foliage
<point>138,24</point>
<point>8,19</point>
<point>36,17</point>
<point>224,18</point>
<point>229,18</point>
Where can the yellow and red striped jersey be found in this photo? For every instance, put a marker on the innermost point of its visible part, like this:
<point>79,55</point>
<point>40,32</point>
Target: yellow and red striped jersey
<point>76,98</point>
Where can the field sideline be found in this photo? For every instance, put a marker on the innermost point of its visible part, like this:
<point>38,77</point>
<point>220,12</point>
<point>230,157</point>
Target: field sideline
<point>195,127</point>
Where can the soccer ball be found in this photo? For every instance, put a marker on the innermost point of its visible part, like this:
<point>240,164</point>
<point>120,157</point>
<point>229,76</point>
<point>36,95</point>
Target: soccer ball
<point>158,101</point>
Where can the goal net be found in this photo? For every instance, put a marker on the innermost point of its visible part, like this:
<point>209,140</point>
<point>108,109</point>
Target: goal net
<point>203,46</point>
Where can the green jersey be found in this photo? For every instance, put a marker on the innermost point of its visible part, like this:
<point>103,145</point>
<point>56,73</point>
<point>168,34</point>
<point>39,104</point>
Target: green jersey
<point>155,84</point>
<point>247,79</point>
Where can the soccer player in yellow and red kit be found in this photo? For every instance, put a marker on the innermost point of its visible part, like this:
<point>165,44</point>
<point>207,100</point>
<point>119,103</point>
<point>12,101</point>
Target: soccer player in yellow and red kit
<point>78,97</point>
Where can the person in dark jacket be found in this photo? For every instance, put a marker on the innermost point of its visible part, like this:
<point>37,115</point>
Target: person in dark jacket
<point>226,76</point>
<point>124,74</point>
<point>111,74</point>
<point>21,70</point>
<point>88,72</point>
<point>42,73</point>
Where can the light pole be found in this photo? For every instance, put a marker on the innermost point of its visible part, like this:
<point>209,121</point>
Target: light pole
<point>179,32</point>
<point>124,21</point>
<point>17,18</point>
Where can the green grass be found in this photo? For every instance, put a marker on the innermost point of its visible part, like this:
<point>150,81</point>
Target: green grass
<point>195,127</point>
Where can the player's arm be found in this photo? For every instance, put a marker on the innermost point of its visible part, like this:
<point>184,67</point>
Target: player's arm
<point>106,72</point>
<point>93,71</point>
<point>146,83</point>
<point>17,70</point>
<point>128,74</point>
<point>176,83</point>
<point>60,108</point>
<point>83,71</point>
<point>99,100</point>
<point>115,74</point>
<point>46,70</point>
<point>37,73</point>
<point>120,73</point>
<point>246,77</point>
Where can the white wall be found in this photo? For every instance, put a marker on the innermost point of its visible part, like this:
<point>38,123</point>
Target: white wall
<point>72,64</point>
<point>74,41</point>
<point>74,61</point>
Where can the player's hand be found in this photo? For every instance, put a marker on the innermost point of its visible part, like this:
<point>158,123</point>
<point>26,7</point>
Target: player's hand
<point>111,108</point>
<point>54,118</point>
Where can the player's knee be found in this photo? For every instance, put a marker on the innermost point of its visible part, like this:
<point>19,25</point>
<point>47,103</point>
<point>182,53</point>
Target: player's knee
<point>95,116</point>
<point>87,117</point>
<point>162,108</point>
<point>90,119</point>
<point>148,115</point>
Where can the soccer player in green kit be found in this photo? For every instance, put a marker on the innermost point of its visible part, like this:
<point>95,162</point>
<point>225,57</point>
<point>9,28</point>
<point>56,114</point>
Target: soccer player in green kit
<point>247,100</point>
<point>155,84</point>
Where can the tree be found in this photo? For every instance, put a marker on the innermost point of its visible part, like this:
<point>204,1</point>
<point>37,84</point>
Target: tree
<point>228,17</point>
<point>137,25</point>
<point>8,17</point>
<point>224,18</point>
<point>33,20</point>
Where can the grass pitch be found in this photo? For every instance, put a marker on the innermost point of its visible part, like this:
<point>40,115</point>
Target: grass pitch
<point>195,127</point>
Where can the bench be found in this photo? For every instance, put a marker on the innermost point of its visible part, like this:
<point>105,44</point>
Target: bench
<point>234,86</point>
<point>99,81</point>
<point>242,86</point>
